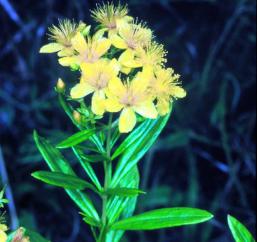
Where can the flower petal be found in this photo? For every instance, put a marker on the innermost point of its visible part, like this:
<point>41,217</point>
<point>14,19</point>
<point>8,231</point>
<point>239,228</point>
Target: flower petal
<point>116,87</point>
<point>51,48</point>
<point>79,43</point>
<point>81,90</point>
<point>118,42</point>
<point>127,120</point>
<point>178,92</point>
<point>147,110</point>
<point>98,103</point>
<point>112,105</point>
<point>103,46</point>
<point>3,236</point>
<point>163,106</point>
<point>68,61</point>
<point>126,56</point>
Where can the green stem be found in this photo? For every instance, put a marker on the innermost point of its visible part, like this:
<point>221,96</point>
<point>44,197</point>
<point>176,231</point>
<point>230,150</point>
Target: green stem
<point>107,180</point>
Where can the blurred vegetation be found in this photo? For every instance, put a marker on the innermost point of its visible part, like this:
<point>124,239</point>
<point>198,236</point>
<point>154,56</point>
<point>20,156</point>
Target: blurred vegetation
<point>206,157</point>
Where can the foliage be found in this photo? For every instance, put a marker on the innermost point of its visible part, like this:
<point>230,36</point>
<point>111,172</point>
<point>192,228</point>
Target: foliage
<point>189,163</point>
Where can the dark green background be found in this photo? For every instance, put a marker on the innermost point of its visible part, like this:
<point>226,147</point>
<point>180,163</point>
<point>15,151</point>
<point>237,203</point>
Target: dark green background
<point>205,157</point>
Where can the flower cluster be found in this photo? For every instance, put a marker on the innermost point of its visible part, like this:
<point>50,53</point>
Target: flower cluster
<point>121,65</point>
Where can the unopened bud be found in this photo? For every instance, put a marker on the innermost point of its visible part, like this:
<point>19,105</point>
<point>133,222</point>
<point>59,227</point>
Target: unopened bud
<point>77,116</point>
<point>60,85</point>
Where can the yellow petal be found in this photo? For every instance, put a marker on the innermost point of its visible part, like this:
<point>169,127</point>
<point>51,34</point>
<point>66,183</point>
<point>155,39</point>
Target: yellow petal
<point>147,110</point>
<point>115,66</point>
<point>127,120</point>
<point>98,103</point>
<point>103,46</point>
<point>79,43</point>
<point>112,105</point>
<point>116,87</point>
<point>88,70</point>
<point>3,236</point>
<point>126,57</point>
<point>3,227</point>
<point>51,48</point>
<point>81,90</point>
<point>125,70</point>
<point>68,61</point>
<point>66,52</point>
<point>178,92</point>
<point>163,107</point>
<point>140,83</point>
<point>118,42</point>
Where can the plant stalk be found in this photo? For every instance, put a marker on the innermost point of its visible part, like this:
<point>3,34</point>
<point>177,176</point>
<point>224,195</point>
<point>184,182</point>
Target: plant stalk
<point>107,180</point>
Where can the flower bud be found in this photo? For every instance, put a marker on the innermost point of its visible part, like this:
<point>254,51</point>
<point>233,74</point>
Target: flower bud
<point>60,85</point>
<point>77,117</point>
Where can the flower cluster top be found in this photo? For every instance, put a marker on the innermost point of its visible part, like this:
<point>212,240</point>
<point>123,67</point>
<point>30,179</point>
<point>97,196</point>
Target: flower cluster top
<point>121,65</point>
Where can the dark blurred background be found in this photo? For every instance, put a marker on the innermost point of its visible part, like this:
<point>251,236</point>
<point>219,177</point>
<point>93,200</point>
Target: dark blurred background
<point>206,155</point>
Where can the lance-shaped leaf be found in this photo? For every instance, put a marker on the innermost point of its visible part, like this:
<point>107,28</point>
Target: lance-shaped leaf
<point>76,139</point>
<point>124,192</point>
<point>163,218</point>
<point>87,167</point>
<point>239,231</point>
<point>62,180</point>
<point>136,146</point>
<point>69,111</point>
<point>57,163</point>
<point>121,207</point>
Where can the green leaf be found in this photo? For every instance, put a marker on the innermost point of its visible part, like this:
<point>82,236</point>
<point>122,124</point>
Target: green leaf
<point>69,111</point>
<point>90,221</point>
<point>239,231</point>
<point>87,167</point>
<point>163,218</point>
<point>62,180</point>
<point>22,232</point>
<point>76,139</point>
<point>124,192</point>
<point>136,145</point>
<point>120,207</point>
<point>57,163</point>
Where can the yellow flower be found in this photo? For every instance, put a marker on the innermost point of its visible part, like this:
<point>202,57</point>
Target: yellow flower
<point>165,86</point>
<point>61,36</point>
<point>130,98</point>
<point>111,17</point>
<point>150,57</point>
<point>95,79</point>
<point>130,38</point>
<point>89,50</point>
<point>3,235</point>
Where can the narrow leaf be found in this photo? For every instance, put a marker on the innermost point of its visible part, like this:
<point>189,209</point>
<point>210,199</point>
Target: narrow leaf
<point>163,218</point>
<point>120,207</point>
<point>124,192</point>
<point>62,180</point>
<point>136,146</point>
<point>239,231</point>
<point>57,163</point>
<point>87,167</point>
<point>76,139</point>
